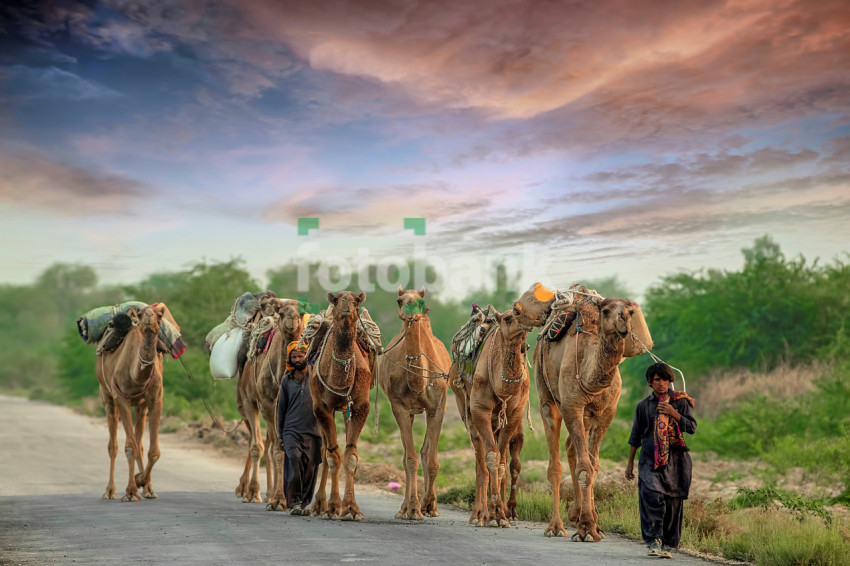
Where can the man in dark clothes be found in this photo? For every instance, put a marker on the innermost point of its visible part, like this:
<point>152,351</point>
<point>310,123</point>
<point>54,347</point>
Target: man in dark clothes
<point>664,468</point>
<point>298,432</point>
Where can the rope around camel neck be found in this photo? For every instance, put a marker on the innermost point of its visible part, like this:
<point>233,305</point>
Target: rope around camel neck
<point>347,394</point>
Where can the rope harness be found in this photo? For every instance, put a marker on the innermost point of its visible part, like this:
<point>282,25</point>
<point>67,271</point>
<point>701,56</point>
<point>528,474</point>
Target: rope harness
<point>346,364</point>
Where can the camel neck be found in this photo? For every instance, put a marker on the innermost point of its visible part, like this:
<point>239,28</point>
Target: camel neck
<point>609,352</point>
<point>414,343</point>
<point>512,363</point>
<point>343,336</point>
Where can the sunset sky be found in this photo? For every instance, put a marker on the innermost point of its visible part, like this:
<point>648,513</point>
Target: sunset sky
<point>575,140</point>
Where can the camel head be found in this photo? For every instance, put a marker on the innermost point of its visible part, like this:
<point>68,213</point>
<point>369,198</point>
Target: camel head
<point>510,325</point>
<point>150,319</point>
<point>346,305</point>
<point>411,304</point>
<point>290,320</point>
<point>534,305</point>
<point>616,316</point>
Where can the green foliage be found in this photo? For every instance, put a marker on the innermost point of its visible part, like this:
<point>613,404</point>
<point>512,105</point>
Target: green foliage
<point>774,309</point>
<point>463,496</point>
<point>768,497</point>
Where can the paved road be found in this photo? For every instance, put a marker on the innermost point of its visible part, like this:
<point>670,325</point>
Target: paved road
<point>53,469</point>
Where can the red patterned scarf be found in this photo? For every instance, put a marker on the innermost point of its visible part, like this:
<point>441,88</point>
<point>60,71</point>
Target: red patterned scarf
<point>667,430</point>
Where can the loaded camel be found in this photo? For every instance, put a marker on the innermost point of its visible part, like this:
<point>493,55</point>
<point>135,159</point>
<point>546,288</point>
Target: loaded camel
<point>578,381</point>
<point>340,380</point>
<point>130,378</point>
<point>492,409</point>
<point>257,391</point>
<point>411,373</point>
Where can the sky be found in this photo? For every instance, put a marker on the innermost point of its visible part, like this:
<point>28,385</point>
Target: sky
<point>571,140</point>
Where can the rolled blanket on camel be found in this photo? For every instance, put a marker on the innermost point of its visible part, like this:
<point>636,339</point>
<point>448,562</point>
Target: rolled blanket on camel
<point>92,325</point>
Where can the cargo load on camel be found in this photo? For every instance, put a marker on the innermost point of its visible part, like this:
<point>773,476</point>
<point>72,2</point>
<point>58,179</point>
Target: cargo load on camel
<point>466,343</point>
<point>107,326</point>
<point>228,343</point>
<point>368,336</point>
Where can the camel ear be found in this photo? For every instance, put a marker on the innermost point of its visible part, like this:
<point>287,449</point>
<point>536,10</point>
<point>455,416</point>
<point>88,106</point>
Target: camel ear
<point>361,297</point>
<point>422,293</point>
<point>331,298</point>
<point>400,290</point>
<point>159,310</point>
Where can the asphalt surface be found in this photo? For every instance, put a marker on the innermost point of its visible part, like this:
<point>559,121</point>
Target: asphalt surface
<point>54,467</point>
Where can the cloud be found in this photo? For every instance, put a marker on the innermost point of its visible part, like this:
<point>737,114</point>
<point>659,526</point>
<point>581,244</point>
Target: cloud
<point>30,178</point>
<point>376,208</point>
<point>52,83</point>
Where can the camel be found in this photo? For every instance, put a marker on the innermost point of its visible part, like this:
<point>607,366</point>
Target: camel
<point>257,392</point>
<point>412,374</point>
<point>340,380</point>
<point>130,378</point>
<point>578,381</point>
<point>492,410</point>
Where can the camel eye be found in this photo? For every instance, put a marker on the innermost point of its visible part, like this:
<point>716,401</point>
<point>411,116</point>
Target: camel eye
<point>605,312</point>
<point>508,318</point>
<point>631,312</point>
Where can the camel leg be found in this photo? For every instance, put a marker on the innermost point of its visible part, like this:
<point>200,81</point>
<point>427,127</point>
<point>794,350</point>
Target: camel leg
<point>269,460</point>
<point>242,488</point>
<point>131,493</point>
<point>479,515</point>
<point>490,458</point>
<point>333,457</point>
<point>515,449</point>
<point>586,527</point>
<point>350,509</point>
<point>551,417</point>
<point>320,500</point>
<point>144,478</point>
<point>594,441</point>
<point>430,463</point>
<point>274,467</point>
<point>503,442</point>
<point>111,447</point>
<point>141,417</point>
<point>410,508</point>
<point>575,506</point>
<point>256,450</point>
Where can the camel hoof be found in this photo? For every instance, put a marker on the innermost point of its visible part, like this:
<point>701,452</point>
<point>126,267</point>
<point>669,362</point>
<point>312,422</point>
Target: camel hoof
<point>151,495</point>
<point>109,496</point>
<point>504,523</point>
<point>134,497</point>
<point>588,538</point>
<point>400,515</point>
<point>576,538</point>
<point>270,507</point>
<point>433,513</point>
<point>492,523</point>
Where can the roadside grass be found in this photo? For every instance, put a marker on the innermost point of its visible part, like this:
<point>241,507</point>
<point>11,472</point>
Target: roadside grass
<point>748,528</point>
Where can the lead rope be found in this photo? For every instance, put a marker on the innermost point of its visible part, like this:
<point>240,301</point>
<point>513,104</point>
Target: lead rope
<point>656,359</point>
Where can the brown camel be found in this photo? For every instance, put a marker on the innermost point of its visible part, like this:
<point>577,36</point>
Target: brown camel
<point>578,381</point>
<point>131,378</point>
<point>411,373</point>
<point>257,392</point>
<point>340,380</point>
<point>496,402</point>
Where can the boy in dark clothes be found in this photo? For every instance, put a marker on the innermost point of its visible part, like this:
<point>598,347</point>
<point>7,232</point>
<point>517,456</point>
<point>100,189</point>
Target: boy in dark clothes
<point>298,432</point>
<point>664,468</point>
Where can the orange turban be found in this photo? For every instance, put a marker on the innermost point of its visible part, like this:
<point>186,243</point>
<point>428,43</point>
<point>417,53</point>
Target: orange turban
<point>294,345</point>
